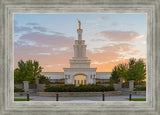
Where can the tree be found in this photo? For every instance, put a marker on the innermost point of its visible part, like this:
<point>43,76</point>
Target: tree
<point>44,80</point>
<point>134,70</point>
<point>122,70</point>
<point>17,77</point>
<point>131,70</point>
<point>140,69</point>
<point>114,75</point>
<point>118,72</point>
<point>27,71</point>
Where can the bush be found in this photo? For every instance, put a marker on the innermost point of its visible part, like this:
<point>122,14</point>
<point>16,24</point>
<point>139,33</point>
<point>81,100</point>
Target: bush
<point>80,88</point>
<point>140,89</point>
<point>44,80</point>
<point>18,90</point>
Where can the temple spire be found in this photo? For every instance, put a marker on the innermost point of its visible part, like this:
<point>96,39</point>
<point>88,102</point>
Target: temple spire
<point>80,60</point>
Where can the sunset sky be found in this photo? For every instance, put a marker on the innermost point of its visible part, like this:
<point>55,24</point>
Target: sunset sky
<point>48,38</point>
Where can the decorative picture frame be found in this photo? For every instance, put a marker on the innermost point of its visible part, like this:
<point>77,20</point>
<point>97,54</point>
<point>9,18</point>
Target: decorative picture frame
<point>10,7</point>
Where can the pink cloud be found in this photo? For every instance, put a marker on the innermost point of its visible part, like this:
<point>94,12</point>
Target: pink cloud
<point>45,56</point>
<point>49,40</point>
<point>109,57</point>
<point>47,49</point>
<point>113,48</point>
<point>120,35</point>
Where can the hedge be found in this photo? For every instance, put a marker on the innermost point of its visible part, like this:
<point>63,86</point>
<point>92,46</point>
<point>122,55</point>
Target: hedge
<point>18,90</point>
<point>140,89</point>
<point>80,88</point>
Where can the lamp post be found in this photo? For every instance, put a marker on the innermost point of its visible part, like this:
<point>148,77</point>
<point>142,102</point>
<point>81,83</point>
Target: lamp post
<point>103,96</point>
<point>57,96</point>
<point>27,95</point>
<point>130,96</point>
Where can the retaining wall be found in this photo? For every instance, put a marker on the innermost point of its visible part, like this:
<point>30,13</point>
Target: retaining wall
<point>139,93</point>
<point>18,86</point>
<point>79,94</point>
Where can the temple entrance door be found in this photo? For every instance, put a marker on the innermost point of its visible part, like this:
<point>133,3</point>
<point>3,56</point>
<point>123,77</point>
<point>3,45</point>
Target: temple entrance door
<point>79,79</point>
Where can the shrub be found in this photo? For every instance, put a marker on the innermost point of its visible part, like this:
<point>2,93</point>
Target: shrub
<point>140,89</point>
<point>80,88</point>
<point>18,90</point>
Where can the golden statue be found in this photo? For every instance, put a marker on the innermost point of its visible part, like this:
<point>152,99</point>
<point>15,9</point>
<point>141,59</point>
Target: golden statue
<point>79,24</point>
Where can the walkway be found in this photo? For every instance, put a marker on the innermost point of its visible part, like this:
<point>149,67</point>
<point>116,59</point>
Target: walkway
<point>107,98</point>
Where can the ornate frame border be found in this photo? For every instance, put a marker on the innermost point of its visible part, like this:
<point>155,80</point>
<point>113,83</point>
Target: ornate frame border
<point>7,10</point>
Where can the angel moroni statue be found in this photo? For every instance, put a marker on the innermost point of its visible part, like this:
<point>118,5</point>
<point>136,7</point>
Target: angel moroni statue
<point>79,24</point>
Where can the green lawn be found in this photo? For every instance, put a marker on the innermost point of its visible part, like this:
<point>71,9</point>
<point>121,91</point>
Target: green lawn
<point>137,99</point>
<point>19,99</point>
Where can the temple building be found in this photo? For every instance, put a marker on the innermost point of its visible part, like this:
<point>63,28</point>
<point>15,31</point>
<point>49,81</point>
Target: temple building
<point>79,71</point>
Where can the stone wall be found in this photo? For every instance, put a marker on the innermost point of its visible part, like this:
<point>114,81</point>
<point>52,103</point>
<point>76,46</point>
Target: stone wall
<point>19,94</point>
<point>117,87</point>
<point>40,87</point>
<point>79,94</point>
<point>143,93</point>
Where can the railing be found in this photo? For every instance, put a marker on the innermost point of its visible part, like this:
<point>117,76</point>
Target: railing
<point>57,97</point>
<point>125,85</point>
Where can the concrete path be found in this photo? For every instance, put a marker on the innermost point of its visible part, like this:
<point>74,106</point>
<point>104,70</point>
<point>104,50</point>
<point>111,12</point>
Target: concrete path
<point>107,98</point>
